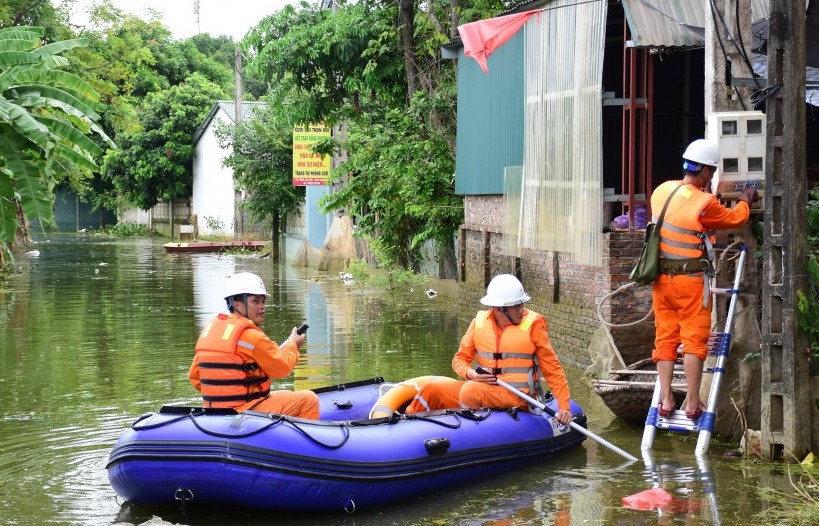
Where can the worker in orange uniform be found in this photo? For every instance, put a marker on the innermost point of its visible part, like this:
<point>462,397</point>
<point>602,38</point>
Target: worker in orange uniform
<point>235,360</point>
<point>681,293</point>
<point>508,342</point>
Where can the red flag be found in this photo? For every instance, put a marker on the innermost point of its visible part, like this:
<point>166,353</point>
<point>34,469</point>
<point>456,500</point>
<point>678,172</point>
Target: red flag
<point>483,37</point>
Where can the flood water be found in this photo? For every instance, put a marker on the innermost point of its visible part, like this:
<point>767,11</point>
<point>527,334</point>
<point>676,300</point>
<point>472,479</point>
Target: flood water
<point>97,331</point>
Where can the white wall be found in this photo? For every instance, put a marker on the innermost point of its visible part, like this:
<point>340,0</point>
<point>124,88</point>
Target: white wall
<point>213,194</point>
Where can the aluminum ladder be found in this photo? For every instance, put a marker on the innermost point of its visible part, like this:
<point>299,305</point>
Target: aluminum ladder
<point>718,345</point>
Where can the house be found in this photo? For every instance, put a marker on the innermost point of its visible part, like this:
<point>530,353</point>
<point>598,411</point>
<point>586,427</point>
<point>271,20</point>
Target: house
<point>585,97</point>
<point>215,198</point>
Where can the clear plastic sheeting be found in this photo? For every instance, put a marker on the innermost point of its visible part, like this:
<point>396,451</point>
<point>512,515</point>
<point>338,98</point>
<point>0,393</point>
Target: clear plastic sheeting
<point>512,179</point>
<point>562,190</point>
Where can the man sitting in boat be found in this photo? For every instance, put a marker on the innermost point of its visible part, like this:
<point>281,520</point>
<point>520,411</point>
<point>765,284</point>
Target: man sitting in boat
<point>235,359</point>
<point>508,342</point>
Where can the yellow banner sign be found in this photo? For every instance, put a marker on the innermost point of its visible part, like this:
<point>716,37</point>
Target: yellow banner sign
<point>309,168</point>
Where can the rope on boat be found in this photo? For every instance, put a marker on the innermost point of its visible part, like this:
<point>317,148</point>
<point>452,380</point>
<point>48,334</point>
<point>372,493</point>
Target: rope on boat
<point>274,420</point>
<point>606,324</point>
<point>342,426</point>
<point>430,419</point>
<point>136,427</point>
<point>471,414</point>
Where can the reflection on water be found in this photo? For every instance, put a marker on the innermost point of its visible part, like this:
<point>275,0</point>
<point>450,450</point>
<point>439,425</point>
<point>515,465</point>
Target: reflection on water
<point>96,332</point>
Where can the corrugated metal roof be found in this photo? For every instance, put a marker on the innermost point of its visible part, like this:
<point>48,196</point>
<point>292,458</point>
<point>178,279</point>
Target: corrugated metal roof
<point>665,23</point>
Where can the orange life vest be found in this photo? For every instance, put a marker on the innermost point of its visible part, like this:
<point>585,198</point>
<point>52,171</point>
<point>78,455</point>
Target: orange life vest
<point>682,236</point>
<point>228,380</point>
<point>511,357</point>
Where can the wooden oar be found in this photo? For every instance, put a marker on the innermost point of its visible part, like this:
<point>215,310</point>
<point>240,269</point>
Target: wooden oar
<point>577,427</point>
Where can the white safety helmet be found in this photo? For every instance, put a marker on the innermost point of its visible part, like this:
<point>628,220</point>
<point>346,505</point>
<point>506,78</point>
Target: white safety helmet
<point>701,152</point>
<point>244,283</point>
<point>504,291</point>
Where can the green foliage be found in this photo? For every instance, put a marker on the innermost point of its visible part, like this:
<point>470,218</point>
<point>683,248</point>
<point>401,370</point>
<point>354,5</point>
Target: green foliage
<point>813,217</point>
<point>392,280</point>
<point>126,60</point>
<point>128,229</point>
<point>397,105</point>
<point>797,508</point>
<point>214,223</point>
<point>45,114</point>
<point>156,164</point>
<point>335,58</point>
<point>807,302</point>
<point>400,187</point>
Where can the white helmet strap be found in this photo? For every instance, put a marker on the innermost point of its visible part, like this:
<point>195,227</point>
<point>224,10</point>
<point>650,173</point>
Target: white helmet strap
<point>505,311</point>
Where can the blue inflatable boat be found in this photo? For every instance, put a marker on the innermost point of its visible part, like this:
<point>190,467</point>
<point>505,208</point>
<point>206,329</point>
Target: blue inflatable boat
<point>346,460</point>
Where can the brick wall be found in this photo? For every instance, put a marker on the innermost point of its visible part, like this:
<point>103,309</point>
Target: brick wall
<point>566,292</point>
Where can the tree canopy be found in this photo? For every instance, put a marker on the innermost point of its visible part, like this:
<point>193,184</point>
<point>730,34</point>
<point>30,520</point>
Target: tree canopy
<point>135,64</point>
<point>156,163</point>
<point>376,69</point>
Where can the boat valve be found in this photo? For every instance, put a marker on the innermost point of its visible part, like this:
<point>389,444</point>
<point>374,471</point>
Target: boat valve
<point>437,446</point>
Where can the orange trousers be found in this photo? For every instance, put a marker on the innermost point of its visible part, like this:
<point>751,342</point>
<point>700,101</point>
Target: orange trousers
<point>475,395</point>
<point>441,393</point>
<point>679,317</point>
<point>302,404</point>
<point>449,394</point>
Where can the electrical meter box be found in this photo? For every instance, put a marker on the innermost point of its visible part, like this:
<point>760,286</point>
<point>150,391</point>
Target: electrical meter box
<point>740,136</point>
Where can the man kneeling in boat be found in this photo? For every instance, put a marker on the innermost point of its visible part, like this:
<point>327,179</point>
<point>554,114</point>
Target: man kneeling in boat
<point>508,342</point>
<point>235,359</point>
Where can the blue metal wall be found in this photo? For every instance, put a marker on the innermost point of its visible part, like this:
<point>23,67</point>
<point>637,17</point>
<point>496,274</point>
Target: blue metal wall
<point>490,119</point>
<point>72,214</point>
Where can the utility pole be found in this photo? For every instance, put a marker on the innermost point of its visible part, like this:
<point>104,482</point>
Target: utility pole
<point>238,220</point>
<point>196,15</point>
<point>727,43</point>
<point>786,426</point>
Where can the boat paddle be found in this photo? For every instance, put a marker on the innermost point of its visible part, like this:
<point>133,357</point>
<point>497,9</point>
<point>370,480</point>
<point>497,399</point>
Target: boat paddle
<point>574,425</point>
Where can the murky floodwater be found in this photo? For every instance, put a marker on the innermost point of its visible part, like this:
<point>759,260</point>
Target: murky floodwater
<point>96,332</point>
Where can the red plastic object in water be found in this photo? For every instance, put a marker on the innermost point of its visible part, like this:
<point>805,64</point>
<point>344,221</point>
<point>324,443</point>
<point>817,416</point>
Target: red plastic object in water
<point>648,500</point>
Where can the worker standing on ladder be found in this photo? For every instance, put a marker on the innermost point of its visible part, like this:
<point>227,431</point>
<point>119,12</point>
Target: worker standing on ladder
<point>681,293</point>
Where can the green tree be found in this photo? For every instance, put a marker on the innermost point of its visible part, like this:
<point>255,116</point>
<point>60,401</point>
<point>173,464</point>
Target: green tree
<point>45,116</point>
<point>129,58</point>
<point>377,68</point>
<point>337,61</point>
<point>156,163</point>
<point>262,162</point>
<point>35,13</point>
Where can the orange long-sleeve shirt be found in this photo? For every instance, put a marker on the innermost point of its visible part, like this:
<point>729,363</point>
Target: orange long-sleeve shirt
<point>714,216</point>
<point>255,347</point>
<point>549,365</point>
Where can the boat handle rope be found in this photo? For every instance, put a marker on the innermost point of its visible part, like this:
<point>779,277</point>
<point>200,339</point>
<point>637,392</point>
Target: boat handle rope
<point>319,442</point>
<point>136,427</point>
<point>471,414</point>
<point>276,419</point>
<point>432,420</point>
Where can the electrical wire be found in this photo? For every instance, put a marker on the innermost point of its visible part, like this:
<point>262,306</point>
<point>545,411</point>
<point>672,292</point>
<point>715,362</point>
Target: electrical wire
<point>714,13</point>
<point>761,95</point>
